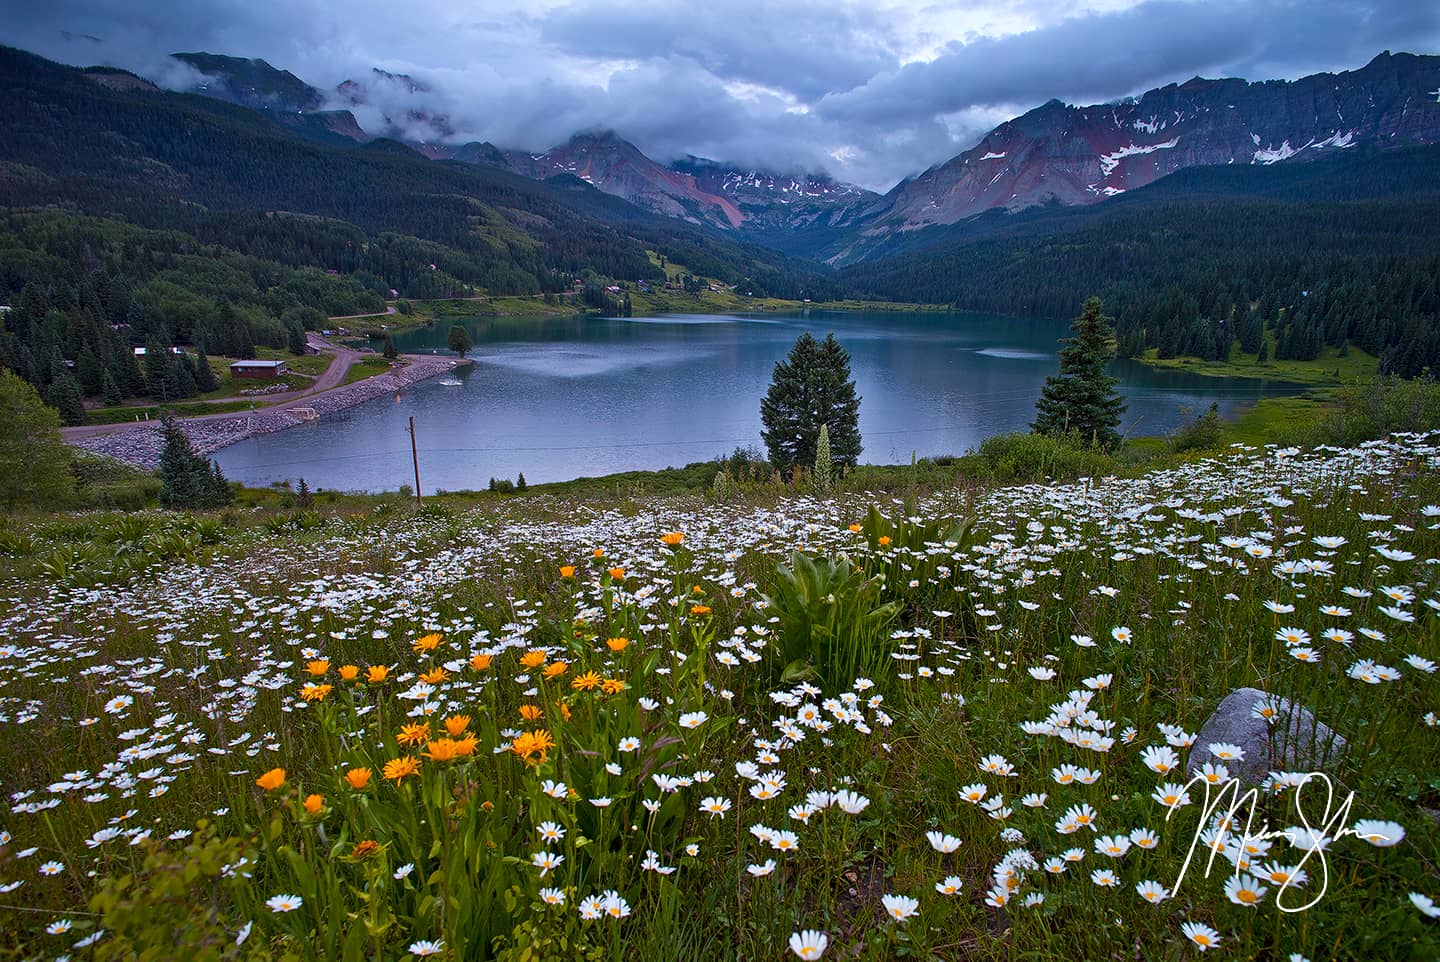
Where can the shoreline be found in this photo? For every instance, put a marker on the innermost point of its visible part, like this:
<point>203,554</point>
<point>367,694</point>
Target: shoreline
<point>140,444</point>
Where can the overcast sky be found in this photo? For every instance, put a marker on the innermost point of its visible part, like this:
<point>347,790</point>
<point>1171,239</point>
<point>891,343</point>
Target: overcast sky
<point>870,91</point>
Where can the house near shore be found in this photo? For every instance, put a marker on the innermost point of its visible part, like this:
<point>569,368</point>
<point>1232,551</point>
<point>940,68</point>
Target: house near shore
<point>259,369</point>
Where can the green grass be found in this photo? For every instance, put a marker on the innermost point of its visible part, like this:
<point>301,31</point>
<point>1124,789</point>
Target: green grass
<point>208,628</point>
<point>124,414</point>
<point>366,367</point>
<point>1328,369</point>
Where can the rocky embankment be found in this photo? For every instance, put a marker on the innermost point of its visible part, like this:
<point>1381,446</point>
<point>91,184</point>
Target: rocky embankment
<point>140,444</point>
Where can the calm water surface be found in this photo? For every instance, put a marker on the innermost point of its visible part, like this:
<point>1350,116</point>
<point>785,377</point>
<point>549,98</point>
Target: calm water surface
<point>559,398</point>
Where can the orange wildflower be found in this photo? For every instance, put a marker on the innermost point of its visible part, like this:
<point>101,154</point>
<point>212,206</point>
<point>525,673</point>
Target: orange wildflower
<point>564,711</point>
<point>612,686</point>
<point>442,750</point>
<point>313,803</point>
<point>272,779</point>
<point>700,610</point>
<point>357,778</point>
<point>557,669</point>
<point>456,724</point>
<point>567,571</point>
<point>398,768</point>
<point>376,674</point>
<point>413,734</point>
<point>319,667</point>
<point>586,681</point>
<point>533,658</point>
<point>531,712</point>
<point>316,692</point>
<point>533,746</point>
<point>617,574</point>
<point>673,538</point>
<point>466,746</point>
<point>427,642</point>
<point>884,540</point>
<point>435,676</point>
<point>481,662</point>
<point>599,552</point>
<point>617,644</point>
<point>365,849</point>
<point>854,529</point>
<point>349,672</point>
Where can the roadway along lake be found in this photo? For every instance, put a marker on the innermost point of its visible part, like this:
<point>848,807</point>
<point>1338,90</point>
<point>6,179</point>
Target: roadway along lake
<point>559,398</point>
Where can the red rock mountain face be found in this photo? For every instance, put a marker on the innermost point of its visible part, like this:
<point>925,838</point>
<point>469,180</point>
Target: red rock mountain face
<point>617,167</point>
<point>1080,155</point>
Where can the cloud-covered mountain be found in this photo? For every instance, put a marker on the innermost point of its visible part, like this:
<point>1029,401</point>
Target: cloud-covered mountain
<point>1054,154</point>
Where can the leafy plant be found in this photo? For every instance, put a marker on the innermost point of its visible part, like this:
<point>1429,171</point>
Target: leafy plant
<point>832,622</point>
<point>909,551</point>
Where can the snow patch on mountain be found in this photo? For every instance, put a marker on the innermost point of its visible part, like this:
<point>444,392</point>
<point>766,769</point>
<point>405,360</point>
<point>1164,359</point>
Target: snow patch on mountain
<point>1108,162</point>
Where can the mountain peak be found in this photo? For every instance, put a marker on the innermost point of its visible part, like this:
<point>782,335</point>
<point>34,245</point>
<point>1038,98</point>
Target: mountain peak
<point>250,83</point>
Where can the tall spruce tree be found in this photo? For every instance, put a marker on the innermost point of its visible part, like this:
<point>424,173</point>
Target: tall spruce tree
<point>1082,397</point>
<point>188,480</point>
<point>811,388</point>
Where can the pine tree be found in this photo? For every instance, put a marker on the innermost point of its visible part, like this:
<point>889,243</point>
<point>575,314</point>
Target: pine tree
<point>63,394</point>
<point>109,389</point>
<point>1082,397</point>
<point>390,351</point>
<point>204,376</point>
<point>188,480</point>
<point>520,482</point>
<point>810,388</point>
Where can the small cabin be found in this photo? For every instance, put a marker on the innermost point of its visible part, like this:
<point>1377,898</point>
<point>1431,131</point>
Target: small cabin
<point>259,369</point>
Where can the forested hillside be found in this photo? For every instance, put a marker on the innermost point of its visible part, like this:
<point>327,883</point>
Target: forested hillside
<point>132,215</point>
<point>1283,262</point>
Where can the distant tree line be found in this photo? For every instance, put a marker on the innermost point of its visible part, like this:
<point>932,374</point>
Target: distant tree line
<point>1198,278</point>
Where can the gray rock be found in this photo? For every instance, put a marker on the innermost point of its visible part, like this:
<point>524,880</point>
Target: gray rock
<point>1296,742</point>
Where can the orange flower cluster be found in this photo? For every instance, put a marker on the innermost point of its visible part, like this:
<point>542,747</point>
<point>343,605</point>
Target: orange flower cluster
<point>357,778</point>
<point>567,571</point>
<point>415,733</point>
<point>533,747</point>
<point>376,674</point>
<point>449,749</point>
<point>586,682</point>
<point>673,538</point>
<point>398,768</point>
<point>316,692</point>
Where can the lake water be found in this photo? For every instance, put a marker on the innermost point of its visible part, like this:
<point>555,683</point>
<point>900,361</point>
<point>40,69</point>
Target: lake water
<point>559,398</point>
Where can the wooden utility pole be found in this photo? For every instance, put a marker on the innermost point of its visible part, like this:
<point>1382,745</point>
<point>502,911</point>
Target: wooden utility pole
<point>415,456</point>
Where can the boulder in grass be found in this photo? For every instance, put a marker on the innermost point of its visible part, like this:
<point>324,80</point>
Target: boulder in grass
<point>1295,742</point>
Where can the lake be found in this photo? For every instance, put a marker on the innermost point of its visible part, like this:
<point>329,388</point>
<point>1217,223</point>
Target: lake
<point>559,398</point>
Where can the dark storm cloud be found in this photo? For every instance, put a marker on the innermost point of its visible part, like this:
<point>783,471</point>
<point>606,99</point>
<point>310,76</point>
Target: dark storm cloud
<point>786,46</point>
<point>782,84</point>
<point>1109,56</point>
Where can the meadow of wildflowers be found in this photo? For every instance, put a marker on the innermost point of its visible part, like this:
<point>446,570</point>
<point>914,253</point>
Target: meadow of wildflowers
<point>551,731</point>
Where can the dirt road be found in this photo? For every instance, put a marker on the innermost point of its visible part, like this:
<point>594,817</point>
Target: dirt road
<point>341,360</point>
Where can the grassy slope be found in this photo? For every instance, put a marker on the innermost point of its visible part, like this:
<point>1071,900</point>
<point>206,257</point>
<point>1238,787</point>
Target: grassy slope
<point>1198,632</point>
